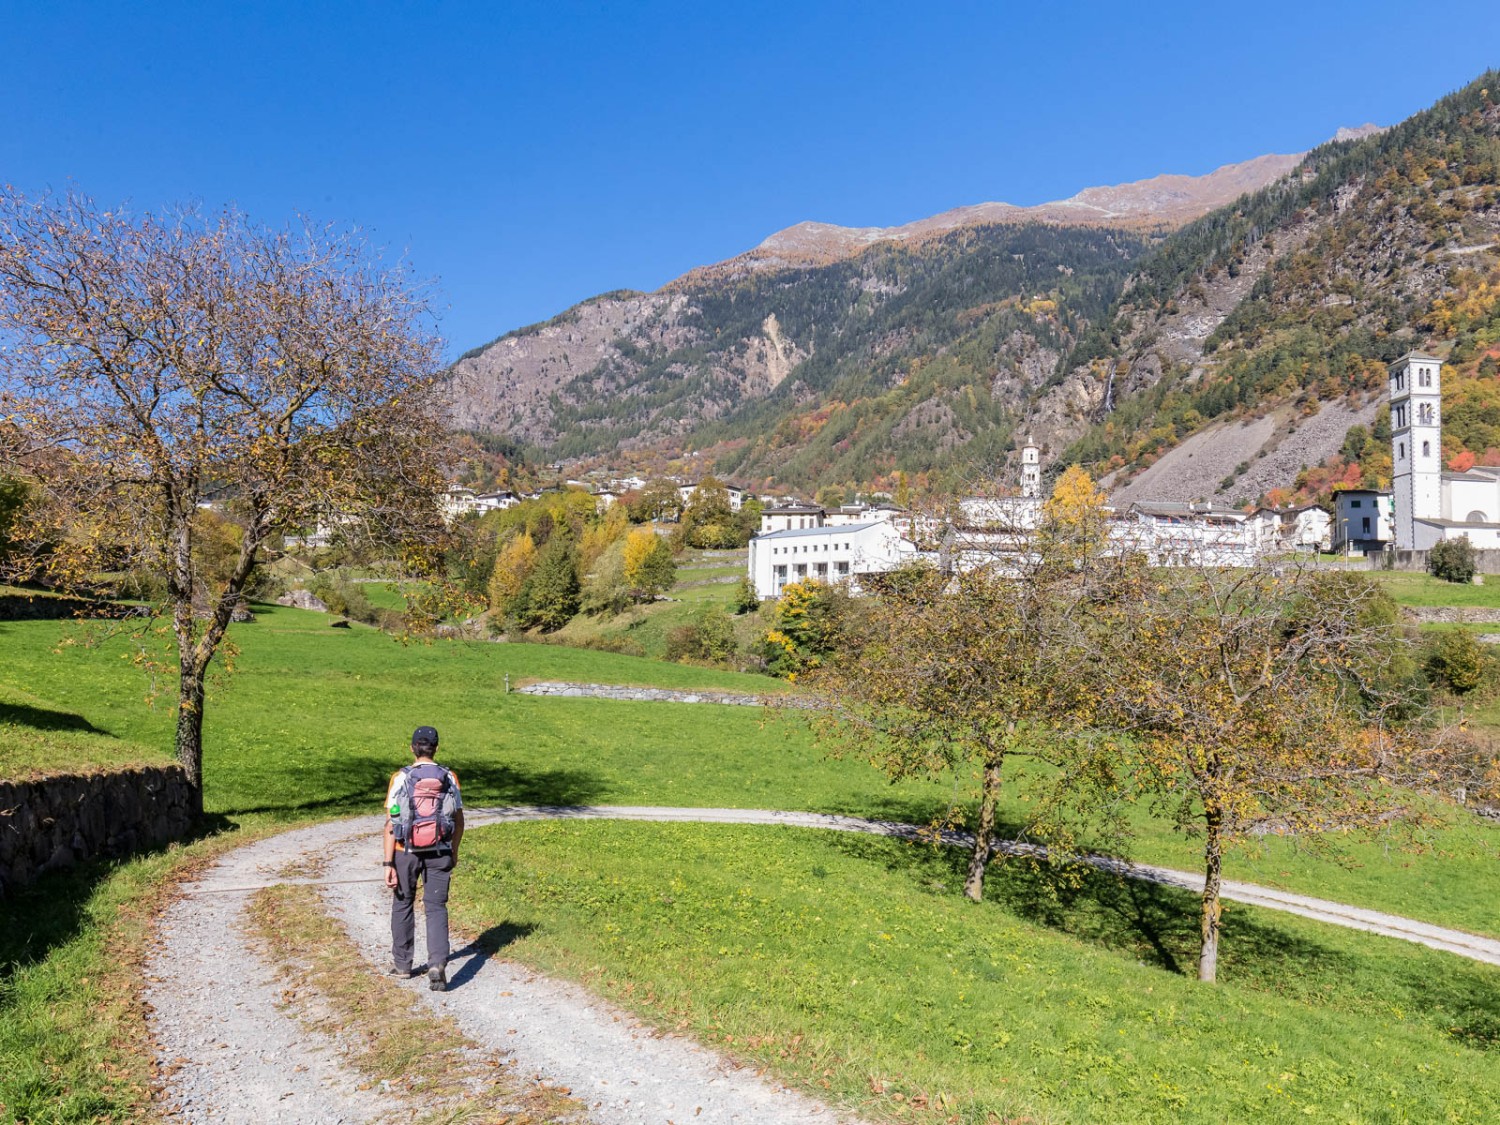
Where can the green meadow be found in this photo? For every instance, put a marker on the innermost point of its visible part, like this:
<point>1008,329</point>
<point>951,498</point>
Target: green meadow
<point>852,966</point>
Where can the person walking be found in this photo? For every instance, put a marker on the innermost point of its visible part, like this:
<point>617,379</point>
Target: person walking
<point>424,825</point>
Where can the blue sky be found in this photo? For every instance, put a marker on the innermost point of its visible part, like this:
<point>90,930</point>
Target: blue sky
<point>528,156</point>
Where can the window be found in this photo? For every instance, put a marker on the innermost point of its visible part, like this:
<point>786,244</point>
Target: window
<point>1424,413</point>
<point>1424,378</point>
<point>1401,451</point>
<point>1400,379</point>
<point>1365,525</point>
<point>1356,503</point>
<point>821,570</point>
<point>841,569</point>
<point>1427,449</point>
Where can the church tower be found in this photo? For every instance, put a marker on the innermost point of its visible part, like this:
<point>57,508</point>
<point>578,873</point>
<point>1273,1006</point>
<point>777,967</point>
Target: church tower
<point>1031,472</point>
<point>1416,443</point>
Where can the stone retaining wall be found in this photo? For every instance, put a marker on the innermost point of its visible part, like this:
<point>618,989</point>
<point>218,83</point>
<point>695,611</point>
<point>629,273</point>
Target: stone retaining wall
<point>54,822</point>
<point>1486,561</point>
<point>1452,614</point>
<point>640,694</point>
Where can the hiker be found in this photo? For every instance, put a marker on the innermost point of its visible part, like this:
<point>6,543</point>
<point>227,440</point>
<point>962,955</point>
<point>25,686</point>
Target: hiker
<point>423,827</point>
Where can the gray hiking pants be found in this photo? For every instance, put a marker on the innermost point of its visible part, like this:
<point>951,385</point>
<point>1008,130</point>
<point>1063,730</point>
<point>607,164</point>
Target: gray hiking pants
<point>434,872</point>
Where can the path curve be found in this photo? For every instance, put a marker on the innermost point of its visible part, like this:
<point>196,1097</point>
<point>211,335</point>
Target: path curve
<point>229,1055</point>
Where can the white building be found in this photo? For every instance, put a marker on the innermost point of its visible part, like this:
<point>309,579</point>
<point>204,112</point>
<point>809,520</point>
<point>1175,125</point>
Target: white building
<point>1175,534</point>
<point>1308,528</point>
<point>1364,520</point>
<point>1432,505</point>
<point>851,514</point>
<point>1031,472</point>
<point>826,554</point>
<point>791,517</point>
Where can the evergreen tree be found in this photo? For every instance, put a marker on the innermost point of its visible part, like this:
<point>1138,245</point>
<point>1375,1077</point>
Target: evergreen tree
<point>550,596</point>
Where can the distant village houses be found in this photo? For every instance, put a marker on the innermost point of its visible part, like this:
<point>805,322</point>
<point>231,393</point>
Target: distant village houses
<point>800,541</point>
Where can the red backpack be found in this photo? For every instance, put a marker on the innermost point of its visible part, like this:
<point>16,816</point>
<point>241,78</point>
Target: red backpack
<point>422,818</point>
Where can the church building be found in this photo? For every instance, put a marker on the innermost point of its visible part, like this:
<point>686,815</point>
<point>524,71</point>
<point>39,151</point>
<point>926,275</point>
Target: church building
<point>1433,504</point>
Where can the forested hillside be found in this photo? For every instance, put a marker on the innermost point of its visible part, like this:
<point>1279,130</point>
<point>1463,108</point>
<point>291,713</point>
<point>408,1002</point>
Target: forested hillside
<point>907,357</point>
<point>1109,347</point>
<point>1299,294</point>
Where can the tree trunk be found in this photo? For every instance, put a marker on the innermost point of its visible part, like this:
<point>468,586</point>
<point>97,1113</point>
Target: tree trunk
<point>190,732</point>
<point>984,835</point>
<point>1213,858</point>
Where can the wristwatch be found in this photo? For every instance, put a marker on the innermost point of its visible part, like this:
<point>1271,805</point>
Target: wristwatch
<point>387,863</point>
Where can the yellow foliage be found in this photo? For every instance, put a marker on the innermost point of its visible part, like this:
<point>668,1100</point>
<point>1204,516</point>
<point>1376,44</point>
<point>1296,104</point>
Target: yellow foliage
<point>513,565</point>
<point>597,537</point>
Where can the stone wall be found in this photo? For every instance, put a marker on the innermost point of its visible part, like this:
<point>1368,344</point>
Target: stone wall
<point>54,822</point>
<point>1485,561</point>
<point>640,694</point>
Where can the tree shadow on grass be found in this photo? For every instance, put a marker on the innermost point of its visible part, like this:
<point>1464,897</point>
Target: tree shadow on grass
<point>485,946</point>
<point>43,718</point>
<point>1159,926</point>
<point>357,784</point>
<point>54,909</point>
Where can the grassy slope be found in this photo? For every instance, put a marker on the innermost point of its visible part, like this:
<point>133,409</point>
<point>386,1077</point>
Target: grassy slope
<point>37,739</point>
<point>1417,589</point>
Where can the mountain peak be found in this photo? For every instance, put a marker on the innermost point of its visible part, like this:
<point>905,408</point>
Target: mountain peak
<point>1160,201</point>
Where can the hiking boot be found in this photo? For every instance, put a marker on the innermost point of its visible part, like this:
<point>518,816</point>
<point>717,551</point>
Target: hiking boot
<point>400,973</point>
<point>437,979</point>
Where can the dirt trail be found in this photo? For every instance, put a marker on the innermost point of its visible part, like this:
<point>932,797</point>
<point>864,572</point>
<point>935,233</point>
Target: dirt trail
<point>231,1055</point>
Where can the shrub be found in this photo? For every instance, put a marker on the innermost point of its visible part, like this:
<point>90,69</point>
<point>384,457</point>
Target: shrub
<point>1459,663</point>
<point>708,640</point>
<point>805,627</point>
<point>1452,560</point>
<point>746,600</point>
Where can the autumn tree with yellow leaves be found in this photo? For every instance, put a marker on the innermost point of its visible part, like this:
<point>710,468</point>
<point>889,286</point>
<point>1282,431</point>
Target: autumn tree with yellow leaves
<point>649,565</point>
<point>153,363</point>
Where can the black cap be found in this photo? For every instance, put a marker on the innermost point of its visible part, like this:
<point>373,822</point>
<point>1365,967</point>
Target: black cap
<point>424,736</point>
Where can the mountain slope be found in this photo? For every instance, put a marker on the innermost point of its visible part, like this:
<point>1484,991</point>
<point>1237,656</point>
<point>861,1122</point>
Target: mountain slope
<point>902,358</point>
<point>755,355</point>
<point>1160,202</point>
<point>1293,298</point>
<point>825,357</point>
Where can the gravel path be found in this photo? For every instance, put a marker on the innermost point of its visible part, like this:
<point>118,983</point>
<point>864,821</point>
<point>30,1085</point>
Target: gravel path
<point>229,1055</point>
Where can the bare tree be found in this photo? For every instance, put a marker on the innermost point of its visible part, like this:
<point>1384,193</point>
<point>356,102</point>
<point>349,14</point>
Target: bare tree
<point>152,364</point>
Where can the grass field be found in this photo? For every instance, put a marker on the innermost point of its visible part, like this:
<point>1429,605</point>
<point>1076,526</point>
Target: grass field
<point>1411,588</point>
<point>644,629</point>
<point>36,739</point>
<point>851,966</point>
<point>1056,1007</point>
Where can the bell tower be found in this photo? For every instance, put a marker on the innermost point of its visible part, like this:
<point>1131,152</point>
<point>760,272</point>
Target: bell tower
<point>1416,443</point>
<point>1031,472</point>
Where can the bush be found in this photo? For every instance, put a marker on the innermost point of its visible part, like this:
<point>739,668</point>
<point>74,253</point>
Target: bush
<point>708,640</point>
<point>1460,664</point>
<point>805,629</point>
<point>1452,560</point>
<point>746,600</point>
